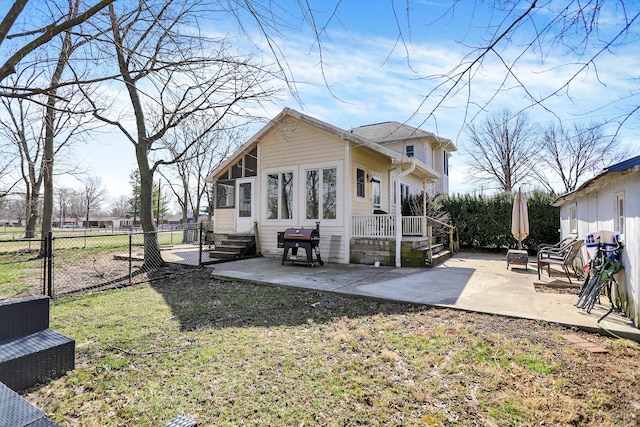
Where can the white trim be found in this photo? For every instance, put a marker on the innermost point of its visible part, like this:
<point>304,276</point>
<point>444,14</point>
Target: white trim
<point>347,200</point>
<point>340,184</point>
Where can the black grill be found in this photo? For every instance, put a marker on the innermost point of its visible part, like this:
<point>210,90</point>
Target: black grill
<point>308,239</point>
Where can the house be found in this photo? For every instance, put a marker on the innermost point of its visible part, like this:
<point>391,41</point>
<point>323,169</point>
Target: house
<point>298,170</point>
<point>610,201</point>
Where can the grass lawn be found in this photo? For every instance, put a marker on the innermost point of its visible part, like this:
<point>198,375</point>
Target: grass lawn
<point>227,353</point>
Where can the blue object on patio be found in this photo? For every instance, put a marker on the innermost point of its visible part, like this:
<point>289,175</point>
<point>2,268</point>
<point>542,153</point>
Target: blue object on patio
<point>17,412</point>
<point>30,352</point>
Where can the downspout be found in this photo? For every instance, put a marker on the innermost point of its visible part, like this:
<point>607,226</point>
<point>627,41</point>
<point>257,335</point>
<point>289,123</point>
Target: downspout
<point>348,201</point>
<point>399,211</point>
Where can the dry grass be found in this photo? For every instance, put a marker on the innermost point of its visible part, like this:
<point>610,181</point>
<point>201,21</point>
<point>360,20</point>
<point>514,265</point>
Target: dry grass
<point>237,354</point>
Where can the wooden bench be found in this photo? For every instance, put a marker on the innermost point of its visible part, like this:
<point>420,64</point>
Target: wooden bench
<point>30,352</point>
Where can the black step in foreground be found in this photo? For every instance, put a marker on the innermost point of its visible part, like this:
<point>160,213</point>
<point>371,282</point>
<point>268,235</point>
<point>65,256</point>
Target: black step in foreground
<point>17,412</point>
<point>30,352</point>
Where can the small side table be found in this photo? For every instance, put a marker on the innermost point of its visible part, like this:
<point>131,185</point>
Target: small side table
<point>518,257</point>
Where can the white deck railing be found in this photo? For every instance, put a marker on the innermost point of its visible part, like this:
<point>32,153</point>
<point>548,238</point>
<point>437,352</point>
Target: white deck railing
<point>384,226</point>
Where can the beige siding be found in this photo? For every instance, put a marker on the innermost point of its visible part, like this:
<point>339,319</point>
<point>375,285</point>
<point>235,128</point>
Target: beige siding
<point>296,143</point>
<point>298,147</point>
<point>331,243</point>
<point>374,165</point>
<point>224,220</point>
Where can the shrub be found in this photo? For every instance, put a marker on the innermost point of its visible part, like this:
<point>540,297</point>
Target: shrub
<point>485,222</point>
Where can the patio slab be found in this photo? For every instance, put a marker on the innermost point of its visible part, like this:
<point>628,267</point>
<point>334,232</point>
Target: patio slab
<point>469,281</point>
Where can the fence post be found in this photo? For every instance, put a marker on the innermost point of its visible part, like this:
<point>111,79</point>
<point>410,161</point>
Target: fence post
<point>130,255</point>
<point>49,261</point>
<point>200,245</point>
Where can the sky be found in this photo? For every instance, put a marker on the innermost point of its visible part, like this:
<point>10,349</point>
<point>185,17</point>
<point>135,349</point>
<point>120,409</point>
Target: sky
<point>381,64</point>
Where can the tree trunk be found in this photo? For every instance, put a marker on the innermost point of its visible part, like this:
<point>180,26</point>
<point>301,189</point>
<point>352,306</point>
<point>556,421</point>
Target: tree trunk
<point>32,212</point>
<point>152,256</point>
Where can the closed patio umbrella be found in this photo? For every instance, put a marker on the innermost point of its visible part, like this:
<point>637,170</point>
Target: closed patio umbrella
<point>520,218</point>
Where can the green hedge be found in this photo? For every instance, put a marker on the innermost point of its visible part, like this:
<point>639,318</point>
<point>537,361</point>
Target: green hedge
<point>485,222</point>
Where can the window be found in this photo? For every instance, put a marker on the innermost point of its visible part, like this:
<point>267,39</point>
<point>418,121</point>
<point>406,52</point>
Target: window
<point>408,150</point>
<point>236,170</point>
<point>404,192</point>
<point>375,193</point>
<point>573,220</point>
<point>280,195</point>
<point>251,163</point>
<point>244,210</point>
<point>225,194</point>
<point>446,163</point>
<point>618,212</point>
<point>324,179</point>
<point>360,182</point>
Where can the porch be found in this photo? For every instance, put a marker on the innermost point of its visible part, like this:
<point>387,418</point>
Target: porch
<point>424,240</point>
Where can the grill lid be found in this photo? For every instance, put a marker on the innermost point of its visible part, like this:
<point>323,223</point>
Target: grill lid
<point>301,234</point>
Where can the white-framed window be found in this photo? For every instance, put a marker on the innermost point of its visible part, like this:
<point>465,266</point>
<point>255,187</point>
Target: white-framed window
<point>321,193</point>
<point>446,163</point>
<point>225,194</point>
<point>280,195</point>
<point>618,213</point>
<point>573,219</point>
<point>360,183</point>
<point>409,150</point>
<point>404,192</point>
<point>376,191</point>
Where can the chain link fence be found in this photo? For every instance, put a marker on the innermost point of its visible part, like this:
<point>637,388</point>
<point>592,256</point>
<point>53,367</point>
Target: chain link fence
<point>79,261</point>
<point>21,268</point>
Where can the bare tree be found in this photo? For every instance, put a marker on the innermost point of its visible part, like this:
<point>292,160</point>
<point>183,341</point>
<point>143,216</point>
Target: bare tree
<point>39,141</point>
<point>7,179</point>
<point>571,154</point>
<point>93,194</point>
<point>37,37</point>
<point>577,37</point>
<point>501,149</point>
<point>48,120</point>
<point>186,177</point>
<point>120,206</point>
<point>169,74</point>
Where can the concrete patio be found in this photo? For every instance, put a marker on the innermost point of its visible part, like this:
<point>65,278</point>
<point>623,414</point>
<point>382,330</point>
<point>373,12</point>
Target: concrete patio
<point>469,281</point>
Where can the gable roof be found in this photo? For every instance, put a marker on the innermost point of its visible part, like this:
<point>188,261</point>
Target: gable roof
<point>625,166</point>
<point>396,131</point>
<point>395,156</point>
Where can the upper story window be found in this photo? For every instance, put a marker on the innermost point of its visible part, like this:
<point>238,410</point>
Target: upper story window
<point>445,166</point>
<point>360,182</point>
<point>409,150</point>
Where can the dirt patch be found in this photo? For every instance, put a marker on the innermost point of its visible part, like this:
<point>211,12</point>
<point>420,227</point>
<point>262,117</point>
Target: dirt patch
<point>551,288</point>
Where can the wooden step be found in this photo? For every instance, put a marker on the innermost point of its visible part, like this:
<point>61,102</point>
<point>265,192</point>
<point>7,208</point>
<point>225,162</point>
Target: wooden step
<point>438,258</point>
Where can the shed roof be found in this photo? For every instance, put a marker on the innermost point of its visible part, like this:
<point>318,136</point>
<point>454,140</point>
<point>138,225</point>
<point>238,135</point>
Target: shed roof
<point>625,166</point>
